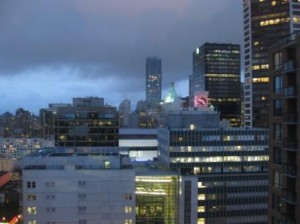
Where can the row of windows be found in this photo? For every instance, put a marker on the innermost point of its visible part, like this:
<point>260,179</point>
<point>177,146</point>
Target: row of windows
<point>82,221</point>
<point>32,210</point>
<point>215,159</point>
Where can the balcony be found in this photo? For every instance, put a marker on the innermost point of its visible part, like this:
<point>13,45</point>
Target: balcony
<point>290,171</point>
<point>291,117</point>
<point>286,220</point>
<point>288,65</point>
<point>290,91</point>
<point>290,144</point>
<point>288,196</point>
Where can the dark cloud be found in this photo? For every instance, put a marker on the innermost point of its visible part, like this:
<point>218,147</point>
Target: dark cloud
<point>96,39</point>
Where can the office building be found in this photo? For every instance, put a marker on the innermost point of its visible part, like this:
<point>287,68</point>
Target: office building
<point>265,22</point>
<point>86,123</point>
<point>216,69</point>
<point>47,119</point>
<point>141,143</point>
<point>224,174</point>
<point>157,194</point>
<point>153,80</point>
<point>145,115</point>
<point>73,186</point>
<point>284,168</point>
<point>85,184</point>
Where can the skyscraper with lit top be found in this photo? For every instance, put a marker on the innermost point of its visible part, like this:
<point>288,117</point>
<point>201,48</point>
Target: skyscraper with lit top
<point>216,69</point>
<point>153,80</point>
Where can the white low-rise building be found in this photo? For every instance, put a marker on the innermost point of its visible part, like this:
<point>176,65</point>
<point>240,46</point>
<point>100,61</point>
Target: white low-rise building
<point>78,187</point>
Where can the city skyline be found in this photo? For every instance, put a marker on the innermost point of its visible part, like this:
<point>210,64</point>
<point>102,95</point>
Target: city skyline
<point>51,53</point>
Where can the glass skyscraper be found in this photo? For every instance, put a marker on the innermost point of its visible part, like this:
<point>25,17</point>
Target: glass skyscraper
<point>216,69</point>
<point>153,80</point>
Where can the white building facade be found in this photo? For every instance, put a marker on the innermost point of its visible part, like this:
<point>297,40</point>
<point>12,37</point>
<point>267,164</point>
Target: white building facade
<point>78,188</point>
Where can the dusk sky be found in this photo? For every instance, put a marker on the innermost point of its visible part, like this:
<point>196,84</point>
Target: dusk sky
<point>54,50</point>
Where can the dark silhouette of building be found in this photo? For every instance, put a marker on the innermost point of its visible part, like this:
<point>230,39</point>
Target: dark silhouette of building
<point>216,69</point>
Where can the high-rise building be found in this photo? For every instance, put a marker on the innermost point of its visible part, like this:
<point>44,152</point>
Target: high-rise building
<point>224,174</point>
<point>153,80</point>
<point>265,22</point>
<point>284,167</point>
<point>216,69</point>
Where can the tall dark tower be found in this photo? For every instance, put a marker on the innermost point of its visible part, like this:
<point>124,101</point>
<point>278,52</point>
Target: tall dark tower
<point>216,69</point>
<point>153,80</point>
<point>265,22</point>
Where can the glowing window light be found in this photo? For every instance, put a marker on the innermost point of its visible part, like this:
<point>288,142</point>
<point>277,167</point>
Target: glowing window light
<point>201,208</point>
<point>153,180</point>
<point>150,193</point>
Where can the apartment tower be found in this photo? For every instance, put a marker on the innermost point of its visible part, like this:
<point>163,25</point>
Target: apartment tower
<point>284,168</point>
<point>265,22</point>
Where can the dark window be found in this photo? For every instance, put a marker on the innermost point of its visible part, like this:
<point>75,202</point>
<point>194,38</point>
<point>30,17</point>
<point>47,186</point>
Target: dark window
<point>277,84</point>
<point>277,131</point>
<point>277,107</point>
<point>276,202</point>
<point>277,155</point>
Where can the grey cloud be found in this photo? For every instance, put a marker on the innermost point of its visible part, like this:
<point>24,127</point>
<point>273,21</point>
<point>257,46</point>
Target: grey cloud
<point>100,38</point>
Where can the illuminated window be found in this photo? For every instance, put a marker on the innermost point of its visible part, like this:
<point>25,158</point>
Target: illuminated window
<point>226,138</point>
<point>128,221</point>
<point>196,170</point>
<point>128,209</point>
<point>201,208</point>
<point>296,19</point>
<point>262,79</point>
<point>107,164</point>
<point>31,210</point>
<point>201,221</point>
<point>192,127</point>
<point>201,197</point>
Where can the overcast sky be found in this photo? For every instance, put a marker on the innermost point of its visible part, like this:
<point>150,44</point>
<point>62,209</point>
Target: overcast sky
<point>54,50</point>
